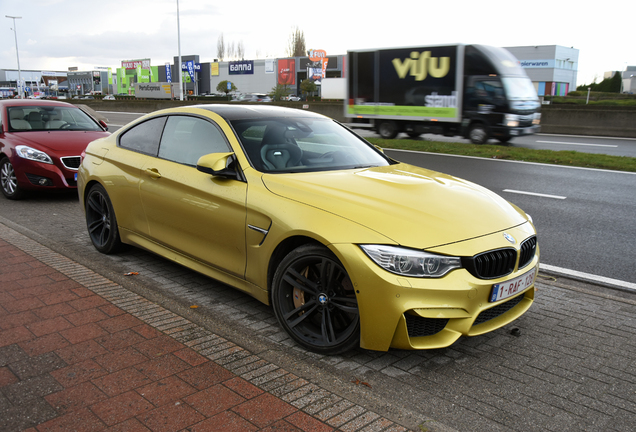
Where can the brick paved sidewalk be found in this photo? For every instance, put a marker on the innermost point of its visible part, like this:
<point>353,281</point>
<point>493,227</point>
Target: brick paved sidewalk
<point>81,353</point>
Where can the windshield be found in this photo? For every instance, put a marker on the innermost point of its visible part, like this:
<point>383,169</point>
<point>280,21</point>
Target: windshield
<point>519,88</point>
<point>304,145</point>
<point>49,118</point>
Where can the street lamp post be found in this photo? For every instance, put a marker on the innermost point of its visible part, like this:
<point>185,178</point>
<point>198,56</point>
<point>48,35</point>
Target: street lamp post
<point>15,34</point>
<point>180,66</point>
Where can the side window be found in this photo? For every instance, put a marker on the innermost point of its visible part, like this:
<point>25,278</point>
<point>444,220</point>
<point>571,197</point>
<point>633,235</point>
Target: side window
<point>144,137</point>
<point>186,139</point>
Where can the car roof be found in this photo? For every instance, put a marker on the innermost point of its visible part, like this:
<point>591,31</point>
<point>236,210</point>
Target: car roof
<point>34,102</point>
<point>243,112</point>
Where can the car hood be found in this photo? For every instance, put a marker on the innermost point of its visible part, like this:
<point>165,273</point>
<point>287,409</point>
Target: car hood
<point>413,206</point>
<point>64,142</point>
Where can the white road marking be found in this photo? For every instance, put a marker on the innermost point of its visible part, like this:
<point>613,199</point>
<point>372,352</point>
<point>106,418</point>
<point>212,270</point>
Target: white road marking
<point>579,144</point>
<point>585,136</point>
<point>513,161</point>
<point>588,277</point>
<point>534,194</point>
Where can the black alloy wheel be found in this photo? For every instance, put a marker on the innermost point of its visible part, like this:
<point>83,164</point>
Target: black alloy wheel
<point>9,181</point>
<point>315,302</point>
<point>101,221</point>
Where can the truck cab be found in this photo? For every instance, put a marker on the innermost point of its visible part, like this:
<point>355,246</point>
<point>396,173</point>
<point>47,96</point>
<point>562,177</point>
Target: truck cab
<point>499,99</point>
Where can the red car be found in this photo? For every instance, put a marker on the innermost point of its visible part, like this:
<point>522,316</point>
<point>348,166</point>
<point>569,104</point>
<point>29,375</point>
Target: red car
<point>41,143</point>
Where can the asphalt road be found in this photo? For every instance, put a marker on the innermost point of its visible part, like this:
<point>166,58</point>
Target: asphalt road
<point>585,144</point>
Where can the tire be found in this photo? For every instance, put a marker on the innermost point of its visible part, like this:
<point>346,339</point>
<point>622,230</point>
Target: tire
<point>478,134</point>
<point>387,129</point>
<point>101,221</point>
<point>315,302</point>
<point>9,181</point>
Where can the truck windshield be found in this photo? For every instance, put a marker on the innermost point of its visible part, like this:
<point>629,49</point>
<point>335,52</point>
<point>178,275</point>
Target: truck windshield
<point>519,88</point>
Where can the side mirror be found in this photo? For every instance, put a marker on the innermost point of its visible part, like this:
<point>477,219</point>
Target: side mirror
<point>104,125</point>
<point>219,165</point>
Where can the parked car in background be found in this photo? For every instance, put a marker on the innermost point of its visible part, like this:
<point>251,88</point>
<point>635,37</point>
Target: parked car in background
<point>253,97</point>
<point>109,97</point>
<point>41,143</point>
<point>293,98</point>
<point>350,247</point>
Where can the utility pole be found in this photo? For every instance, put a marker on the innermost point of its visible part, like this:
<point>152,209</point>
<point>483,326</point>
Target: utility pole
<point>15,34</point>
<point>180,65</point>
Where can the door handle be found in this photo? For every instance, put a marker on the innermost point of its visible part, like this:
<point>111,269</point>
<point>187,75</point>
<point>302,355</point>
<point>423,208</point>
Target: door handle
<point>153,172</point>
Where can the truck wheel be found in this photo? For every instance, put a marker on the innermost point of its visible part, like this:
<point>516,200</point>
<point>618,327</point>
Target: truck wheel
<point>388,129</point>
<point>478,134</point>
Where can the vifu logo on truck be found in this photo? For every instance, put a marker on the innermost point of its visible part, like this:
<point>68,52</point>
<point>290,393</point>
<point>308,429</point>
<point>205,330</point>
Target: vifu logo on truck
<point>420,65</point>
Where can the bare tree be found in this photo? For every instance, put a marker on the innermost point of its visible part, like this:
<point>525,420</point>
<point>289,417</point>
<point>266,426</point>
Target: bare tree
<point>240,51</point>
<point>220,48</point>
<point>231,52</point>
<point>296,47</point>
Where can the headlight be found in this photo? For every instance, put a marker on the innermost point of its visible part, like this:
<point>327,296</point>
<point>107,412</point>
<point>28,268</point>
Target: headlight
<point>410,262</point>
<point>33,154</point>
<point>512,120</point>
<point>537,119</point>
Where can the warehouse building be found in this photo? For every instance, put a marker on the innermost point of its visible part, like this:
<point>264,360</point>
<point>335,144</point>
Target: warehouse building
<point>552,68</point>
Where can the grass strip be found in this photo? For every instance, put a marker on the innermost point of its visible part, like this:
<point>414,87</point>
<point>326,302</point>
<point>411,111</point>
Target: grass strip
<point>563,157</point>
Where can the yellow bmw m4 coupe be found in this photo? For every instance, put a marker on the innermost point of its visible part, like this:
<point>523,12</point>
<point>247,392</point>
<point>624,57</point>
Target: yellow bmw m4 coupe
<point>350,247</point>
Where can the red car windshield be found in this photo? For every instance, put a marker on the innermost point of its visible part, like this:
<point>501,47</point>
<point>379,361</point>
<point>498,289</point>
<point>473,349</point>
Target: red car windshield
<point>49,118</point>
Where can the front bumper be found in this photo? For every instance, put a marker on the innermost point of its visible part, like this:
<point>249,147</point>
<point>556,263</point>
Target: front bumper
<point>508,132</point>
<point>34,175</point>
<point>418,313</point>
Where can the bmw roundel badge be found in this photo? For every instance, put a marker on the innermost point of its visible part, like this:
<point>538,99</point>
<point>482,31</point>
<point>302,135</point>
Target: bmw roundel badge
<point>510,238</point>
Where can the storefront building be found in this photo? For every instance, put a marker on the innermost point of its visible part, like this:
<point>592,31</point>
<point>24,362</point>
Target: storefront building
<point>35,83</point>
<point>552,68</point>
<point>90,82</point>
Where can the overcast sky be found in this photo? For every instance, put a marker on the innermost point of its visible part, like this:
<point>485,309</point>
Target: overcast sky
<point>58,34</point>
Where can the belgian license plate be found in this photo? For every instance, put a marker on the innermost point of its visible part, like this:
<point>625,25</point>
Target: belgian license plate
<point>511,287</point>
